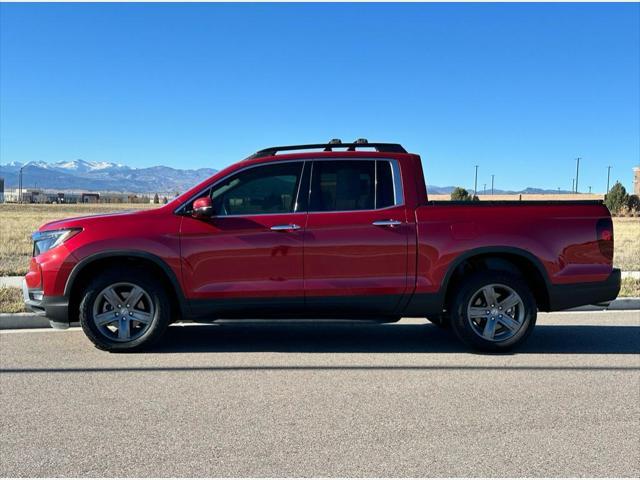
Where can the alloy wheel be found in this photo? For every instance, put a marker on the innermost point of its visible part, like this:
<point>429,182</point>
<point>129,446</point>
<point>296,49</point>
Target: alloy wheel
<point>123,311</point>
<point>496,312</point>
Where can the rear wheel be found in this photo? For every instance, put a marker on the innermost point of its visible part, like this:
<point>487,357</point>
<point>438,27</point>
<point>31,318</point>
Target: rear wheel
<point>493,311</point>
<point>124,310</point>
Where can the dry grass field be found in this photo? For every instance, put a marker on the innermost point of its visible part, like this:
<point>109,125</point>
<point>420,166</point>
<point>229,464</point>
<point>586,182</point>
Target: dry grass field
<point>11,300</point>
<point>626,234</point>
<point>18,221</point>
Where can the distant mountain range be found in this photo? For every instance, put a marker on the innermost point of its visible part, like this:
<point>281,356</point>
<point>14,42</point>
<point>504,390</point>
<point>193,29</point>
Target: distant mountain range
<point>102,176</point>
<point>115,177</point>
<point>435,190</point>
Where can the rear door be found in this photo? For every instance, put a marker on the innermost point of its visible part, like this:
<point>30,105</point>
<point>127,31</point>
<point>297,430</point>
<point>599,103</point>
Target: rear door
<point>356,238</point>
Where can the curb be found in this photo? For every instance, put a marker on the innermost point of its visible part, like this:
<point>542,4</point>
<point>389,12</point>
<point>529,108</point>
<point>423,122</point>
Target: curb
<point>22,320</point>
<point>624,303</point>
<point>17,321</point>
<point>11,282</point>
<point>11,321</point>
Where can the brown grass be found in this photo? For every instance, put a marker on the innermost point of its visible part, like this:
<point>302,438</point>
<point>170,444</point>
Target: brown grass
<point>11,300</point>
<point>626,232</point>
<point>630,288</point>
<point>17,222</point>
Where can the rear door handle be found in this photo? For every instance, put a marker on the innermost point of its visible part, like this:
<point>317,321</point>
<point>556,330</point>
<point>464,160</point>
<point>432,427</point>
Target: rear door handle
<point>284,228</point>
<point>387,223</point>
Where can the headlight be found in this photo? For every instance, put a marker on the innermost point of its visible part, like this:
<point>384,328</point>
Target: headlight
<point>43,241</point>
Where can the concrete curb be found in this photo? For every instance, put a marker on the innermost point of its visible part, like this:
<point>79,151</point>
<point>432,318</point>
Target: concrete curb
<point>10,321</point>
<point>22,320</point>
<point>15,282</point>
<point>624,303</point>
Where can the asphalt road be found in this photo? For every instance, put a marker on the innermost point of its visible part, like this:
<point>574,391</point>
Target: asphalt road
<point>325,400</point>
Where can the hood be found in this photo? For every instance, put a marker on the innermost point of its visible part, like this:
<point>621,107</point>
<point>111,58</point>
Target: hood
<point>90,219</point>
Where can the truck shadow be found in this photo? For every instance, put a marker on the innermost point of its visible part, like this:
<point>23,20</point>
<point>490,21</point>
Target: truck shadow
<point>386,338</point>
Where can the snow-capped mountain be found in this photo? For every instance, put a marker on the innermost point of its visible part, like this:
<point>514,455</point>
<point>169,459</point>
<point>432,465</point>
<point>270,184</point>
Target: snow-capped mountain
<point>115,177</point>
<point>102,176</point>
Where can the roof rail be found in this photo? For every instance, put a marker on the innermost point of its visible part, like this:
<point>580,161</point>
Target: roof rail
<point>328,147</point>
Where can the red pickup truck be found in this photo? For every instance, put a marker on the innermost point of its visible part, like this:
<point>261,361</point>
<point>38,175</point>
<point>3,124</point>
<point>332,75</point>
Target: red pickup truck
<point>323,231</point>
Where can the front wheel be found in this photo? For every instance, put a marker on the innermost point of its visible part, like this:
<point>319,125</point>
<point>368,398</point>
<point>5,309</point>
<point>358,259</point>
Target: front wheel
<point>493,311</point>
<point>124,310</point>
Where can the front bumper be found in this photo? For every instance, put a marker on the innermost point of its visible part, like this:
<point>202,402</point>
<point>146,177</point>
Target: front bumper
<point>572,295</point>
<point>56,309</point>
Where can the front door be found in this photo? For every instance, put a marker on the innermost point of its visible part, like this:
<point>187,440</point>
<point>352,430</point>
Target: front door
<point>356,239</point>
<point>247,258</point>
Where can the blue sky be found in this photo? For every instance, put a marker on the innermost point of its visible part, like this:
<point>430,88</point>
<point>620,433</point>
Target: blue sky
<point>519,89</point>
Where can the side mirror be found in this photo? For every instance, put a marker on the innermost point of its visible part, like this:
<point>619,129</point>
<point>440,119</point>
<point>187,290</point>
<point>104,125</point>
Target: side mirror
<point>203,207</point>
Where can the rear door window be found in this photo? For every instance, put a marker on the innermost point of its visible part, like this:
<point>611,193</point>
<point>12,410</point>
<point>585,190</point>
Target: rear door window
<point>342,185</point>
<point>384,185</point>
<point>348,185</point>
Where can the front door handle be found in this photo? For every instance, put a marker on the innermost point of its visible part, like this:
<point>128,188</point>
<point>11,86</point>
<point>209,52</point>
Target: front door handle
<point>387,223</point>
<point>284,228</point>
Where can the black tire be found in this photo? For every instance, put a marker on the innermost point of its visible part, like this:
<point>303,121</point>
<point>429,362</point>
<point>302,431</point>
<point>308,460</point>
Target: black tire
<point>467,329</point>
<point>149,333</point>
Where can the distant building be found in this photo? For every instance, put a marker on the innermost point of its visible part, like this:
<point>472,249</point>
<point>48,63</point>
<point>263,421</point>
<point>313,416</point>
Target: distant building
<point>32,195</point>
<point>636,180</point>
<point>90,197</point>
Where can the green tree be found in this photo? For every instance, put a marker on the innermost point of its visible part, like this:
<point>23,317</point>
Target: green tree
<point>156,198</point>
<point>616,198</point>
<point>460,193</point>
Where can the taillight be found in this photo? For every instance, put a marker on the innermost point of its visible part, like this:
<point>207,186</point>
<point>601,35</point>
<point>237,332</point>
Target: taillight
<point>604,236</point>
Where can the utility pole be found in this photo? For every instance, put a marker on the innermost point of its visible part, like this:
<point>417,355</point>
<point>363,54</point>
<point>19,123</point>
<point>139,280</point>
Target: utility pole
<point>484,190</point>
<point>573,185</point>
<point>492,177</point>
<point>608,176</point>
<point>577,171</point>
<point>475,182</point>
<point>20,185</point>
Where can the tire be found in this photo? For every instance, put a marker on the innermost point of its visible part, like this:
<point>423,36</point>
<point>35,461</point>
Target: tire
<point>124,327</point>
<point>480,317</point>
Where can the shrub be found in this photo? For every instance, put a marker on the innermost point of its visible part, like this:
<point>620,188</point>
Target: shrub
<point>460,193</point>
<point>616,199</point>
<point>633,203</point>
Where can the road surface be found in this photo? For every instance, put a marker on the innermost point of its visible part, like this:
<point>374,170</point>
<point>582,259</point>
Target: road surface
<point>325,400</point>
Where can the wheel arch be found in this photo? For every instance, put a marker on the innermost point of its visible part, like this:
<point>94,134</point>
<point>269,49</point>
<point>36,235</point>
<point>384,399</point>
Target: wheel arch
<point>512,259</point>
<point>152,263</point>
